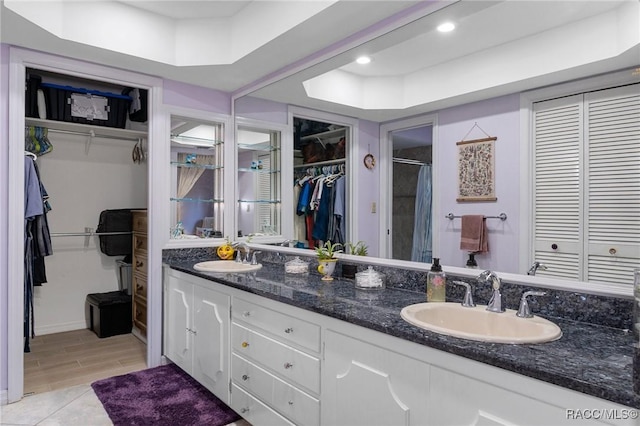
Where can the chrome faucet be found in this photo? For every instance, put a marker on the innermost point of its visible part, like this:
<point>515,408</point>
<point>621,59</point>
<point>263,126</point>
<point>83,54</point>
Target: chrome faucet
<point>524,311</point>
<point>240,245</point>
<point>254,260</point>
<point>534,268</point>
<point>467,302</point>
<point>496,304</point>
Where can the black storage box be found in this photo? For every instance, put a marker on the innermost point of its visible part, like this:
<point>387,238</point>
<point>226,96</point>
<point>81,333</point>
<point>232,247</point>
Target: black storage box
<point>76,105</point>
<point>116,220</point>
<point>109,314</point>
<point>31,95</point>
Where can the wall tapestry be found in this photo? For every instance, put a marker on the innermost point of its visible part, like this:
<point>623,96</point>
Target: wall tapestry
<point>476,170</point>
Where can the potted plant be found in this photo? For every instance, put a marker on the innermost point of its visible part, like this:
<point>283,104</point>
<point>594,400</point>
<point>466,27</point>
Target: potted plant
<point>358,249</point>
<point>326,258</point>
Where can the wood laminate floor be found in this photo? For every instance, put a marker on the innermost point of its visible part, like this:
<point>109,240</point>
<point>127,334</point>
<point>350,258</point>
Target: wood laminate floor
<point>62,360</point>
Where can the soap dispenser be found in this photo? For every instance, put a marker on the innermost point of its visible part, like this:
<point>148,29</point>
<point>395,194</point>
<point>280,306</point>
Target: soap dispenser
<point>436,282</point>
<point>471,262</point>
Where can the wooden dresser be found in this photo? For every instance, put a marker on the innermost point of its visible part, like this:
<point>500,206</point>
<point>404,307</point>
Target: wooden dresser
<point>139,262</point>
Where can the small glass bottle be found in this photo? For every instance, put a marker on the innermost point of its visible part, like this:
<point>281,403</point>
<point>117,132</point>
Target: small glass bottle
<point>471,262</point>
<point>436,282</point>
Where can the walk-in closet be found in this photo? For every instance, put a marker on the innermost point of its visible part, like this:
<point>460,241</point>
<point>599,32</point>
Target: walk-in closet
<point>85,156</point>
<point>320,153</point>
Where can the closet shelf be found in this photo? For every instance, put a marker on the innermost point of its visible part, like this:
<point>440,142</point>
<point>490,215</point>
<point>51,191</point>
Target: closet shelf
<point>319,163</point>
<point>327,134</point>
<point>260,201</point>
<point>196,200</point>
<point>258,147</point>
<point>265,171</point>
<point>86,129</point>
<point>198,166</point>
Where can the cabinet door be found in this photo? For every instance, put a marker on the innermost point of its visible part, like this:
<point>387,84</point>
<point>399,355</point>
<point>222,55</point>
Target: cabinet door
<point>461,400</point>
<point>211,334</point>
<point>178,336</point>
<point>363,384</point>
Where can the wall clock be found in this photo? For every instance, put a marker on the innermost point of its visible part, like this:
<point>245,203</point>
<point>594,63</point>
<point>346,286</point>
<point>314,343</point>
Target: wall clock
<point>369,161</point>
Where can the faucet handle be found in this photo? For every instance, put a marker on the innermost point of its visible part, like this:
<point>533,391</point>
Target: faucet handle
<point>254,261</point>
<point>524,311</point>
<point>467,302</point>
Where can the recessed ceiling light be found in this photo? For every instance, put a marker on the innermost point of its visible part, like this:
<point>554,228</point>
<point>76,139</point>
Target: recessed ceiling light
<point>446,27</point>
<point>362,60</point>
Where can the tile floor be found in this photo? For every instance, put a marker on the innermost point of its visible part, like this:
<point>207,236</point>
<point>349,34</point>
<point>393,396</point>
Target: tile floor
<point>73,406</point>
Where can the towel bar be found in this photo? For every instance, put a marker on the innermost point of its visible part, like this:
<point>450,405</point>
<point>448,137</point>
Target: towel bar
<point>501,216</point>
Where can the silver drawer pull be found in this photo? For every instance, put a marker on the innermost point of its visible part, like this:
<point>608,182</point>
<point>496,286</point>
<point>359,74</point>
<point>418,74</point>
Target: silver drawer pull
<point>288,365</point>
<point>290,402</point>
<point>246,314</point>
<point>288,330</point>
<point>244,410</point>
<point>245,377</point>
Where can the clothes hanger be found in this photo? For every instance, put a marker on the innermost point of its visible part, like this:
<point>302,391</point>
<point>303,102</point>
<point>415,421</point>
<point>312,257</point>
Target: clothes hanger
<point>31,154</point>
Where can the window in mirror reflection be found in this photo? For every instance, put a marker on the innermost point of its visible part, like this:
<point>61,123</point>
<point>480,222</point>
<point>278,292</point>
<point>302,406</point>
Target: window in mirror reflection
<point>319,155</point>
<point>258,182</point>
<point>196,159</point>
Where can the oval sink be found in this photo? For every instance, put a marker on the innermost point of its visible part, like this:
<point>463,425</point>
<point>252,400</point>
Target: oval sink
<point>229,266</point>
<point>479,324</point>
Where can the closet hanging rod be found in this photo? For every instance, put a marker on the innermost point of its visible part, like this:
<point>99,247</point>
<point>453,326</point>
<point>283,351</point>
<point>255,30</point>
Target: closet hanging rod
<point>319,163</point>
<point>408,161</point>
<point>93,134</point>
<point>501,216</point>
<point>87,234</point>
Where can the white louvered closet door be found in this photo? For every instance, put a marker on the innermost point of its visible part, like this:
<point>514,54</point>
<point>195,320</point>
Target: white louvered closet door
<point>613,200</point>
<point>558,139</point>
<point>587,185</point>
<point>264,216</point>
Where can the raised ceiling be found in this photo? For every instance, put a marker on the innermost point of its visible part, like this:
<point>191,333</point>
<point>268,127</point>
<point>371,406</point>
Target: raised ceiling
<point>499,47</point>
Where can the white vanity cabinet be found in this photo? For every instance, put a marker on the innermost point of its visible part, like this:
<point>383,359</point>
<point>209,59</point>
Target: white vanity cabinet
<point>275,363</point>
<point>364,384</point>
<point>196,319</point>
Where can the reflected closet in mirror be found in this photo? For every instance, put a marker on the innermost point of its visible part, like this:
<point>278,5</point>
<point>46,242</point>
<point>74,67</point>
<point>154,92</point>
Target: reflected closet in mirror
<point>319,155</point>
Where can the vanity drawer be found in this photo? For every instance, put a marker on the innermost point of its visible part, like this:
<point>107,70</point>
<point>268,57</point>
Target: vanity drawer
<point>285,361</point>
<point>254,411</point>
<point>139,221</point>
<point>140,316</point>
<point>139,286</point>
<point>289,329</point>
<point>294,404</point>
<point>139,243</point>
<point>140,262</point>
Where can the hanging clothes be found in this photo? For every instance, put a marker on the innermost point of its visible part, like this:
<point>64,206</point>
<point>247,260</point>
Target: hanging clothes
<point>37,242</point>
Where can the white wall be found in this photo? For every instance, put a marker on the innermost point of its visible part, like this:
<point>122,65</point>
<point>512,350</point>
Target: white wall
<point>80,186</point>
<point>497,117</point>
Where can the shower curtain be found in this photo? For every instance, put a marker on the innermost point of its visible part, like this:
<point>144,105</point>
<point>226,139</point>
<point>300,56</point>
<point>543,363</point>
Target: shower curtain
<point>188,176</point>
<point>421,248</point>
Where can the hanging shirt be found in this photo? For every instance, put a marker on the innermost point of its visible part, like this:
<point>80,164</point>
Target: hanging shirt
<point>33,205</point>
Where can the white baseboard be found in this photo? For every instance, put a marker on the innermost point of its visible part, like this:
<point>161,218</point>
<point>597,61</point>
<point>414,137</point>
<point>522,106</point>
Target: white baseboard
<point>59,328</point>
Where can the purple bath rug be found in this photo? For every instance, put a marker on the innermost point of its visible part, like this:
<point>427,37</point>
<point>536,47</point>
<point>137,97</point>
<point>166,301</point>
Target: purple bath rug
<point>163,395</point>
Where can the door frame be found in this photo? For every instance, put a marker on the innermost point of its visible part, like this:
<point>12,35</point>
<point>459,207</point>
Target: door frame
<point>386,179</point>
<point>19,61</point>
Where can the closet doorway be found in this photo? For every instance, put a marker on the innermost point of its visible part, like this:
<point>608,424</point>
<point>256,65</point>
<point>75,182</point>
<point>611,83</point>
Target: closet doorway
<point>407,190</point>
<point>85,169</point>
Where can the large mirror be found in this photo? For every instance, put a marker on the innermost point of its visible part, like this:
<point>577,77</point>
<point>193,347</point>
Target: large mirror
<point>479,81</point>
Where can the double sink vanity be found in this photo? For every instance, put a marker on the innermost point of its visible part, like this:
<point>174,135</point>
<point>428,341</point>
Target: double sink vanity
<point>293,349</point>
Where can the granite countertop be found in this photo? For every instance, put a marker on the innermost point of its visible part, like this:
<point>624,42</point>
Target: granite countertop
<point>592,359</point>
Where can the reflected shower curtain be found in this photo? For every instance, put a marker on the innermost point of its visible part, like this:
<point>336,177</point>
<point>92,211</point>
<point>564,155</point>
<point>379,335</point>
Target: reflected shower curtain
<point>421,249</point>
